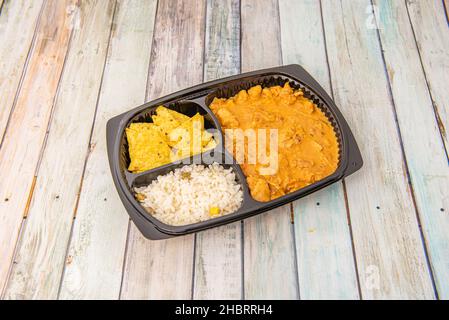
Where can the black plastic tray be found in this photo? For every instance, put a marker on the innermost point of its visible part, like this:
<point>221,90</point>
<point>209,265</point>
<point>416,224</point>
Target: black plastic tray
<point>197,99</point>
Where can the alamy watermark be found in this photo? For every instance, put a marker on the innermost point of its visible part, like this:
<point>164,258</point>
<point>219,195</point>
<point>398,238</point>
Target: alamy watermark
<point>250,146</point>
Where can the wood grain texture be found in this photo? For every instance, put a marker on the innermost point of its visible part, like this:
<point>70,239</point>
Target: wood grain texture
<point>20,151</point>
<point>40,256</point>
<point>389,249</point>
<point>163,269</point>
<point>269,255</point>
<point>95,258</point>
<point>15,15</point>
<point>430,27</point>
<point>424,149</point>
<point>218,258</point>
<point>323,241</point>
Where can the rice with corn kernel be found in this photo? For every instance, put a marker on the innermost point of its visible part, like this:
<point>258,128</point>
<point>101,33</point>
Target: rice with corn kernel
<point>192,194</point>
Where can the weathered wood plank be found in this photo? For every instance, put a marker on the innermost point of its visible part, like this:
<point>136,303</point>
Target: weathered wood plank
<point>423,147</point>
<point>430,27</point>
<point>388,246</point>
<point>163,269</point>
<point>323,241</point>
<point>20,151</point>
<point>15,15</point>
<point>95,257</point>
<point>269,257</point>
<point>39,261</point>
<point>218,260</point>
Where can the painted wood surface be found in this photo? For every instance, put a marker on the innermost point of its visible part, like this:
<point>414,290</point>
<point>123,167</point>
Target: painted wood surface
<point>218,252</point>
<point>40,257</point>
<point>323,239</point>
<point>94,262</point>
<point>402,137</point>
<point>19,153</point>
<point>163,269</point>
<point>388,246</point>
<point>430,27</point>
<point>14,15</point>
<point>269,255</point>
<point>423,147</point>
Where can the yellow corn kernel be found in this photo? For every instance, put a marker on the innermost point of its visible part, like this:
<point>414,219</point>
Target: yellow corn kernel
<point>213,211</point>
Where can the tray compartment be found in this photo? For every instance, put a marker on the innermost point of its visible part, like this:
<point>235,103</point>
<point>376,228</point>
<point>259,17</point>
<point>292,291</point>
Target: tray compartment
<point>186,107</point>
<point>228,91</point>
<point>224,159</point>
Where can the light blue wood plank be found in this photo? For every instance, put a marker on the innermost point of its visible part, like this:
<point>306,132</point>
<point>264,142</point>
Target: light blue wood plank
<point>423,146</point>
<point>430,27</point>
<point>326,265</point>
<point>40,257</point>
<point>14,49</point>
<point>390,255</point>
<point>94,264</point>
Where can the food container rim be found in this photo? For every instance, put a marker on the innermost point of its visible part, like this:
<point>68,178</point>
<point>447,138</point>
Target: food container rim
<point>349,148</point>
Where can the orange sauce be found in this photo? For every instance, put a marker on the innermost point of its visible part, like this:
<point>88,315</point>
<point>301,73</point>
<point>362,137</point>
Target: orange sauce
<point>307,145</point>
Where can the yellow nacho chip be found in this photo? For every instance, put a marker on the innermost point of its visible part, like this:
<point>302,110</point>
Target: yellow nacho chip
<point>147,147</point>
<point>206,138</point>
<point>171,136</point>
<point>167,119</point>
<point>187,138</point>
<point>210,145</point>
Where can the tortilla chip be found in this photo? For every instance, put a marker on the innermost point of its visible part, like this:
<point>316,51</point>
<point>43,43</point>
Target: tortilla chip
<point>167,119</point>
<point>147,147</point>
<point>206,138</point>
<point>210,145</point>
<point>150,143</point>
<point>187,138</point>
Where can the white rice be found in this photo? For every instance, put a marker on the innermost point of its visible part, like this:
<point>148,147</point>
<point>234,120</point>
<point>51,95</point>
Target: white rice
<point>185,195</point>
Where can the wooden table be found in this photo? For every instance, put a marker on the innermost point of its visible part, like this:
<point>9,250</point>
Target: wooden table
<point>66,67</point>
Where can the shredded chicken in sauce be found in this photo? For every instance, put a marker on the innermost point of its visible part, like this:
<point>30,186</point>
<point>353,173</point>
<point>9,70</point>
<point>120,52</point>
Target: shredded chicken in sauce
<point>308,147</point>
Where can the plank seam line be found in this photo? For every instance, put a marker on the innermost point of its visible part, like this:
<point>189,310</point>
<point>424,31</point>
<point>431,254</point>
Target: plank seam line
<point>193,268</point>
<point>434,105</point>
<point>127,240</point>
<point>351,234</point>
<point>242,257</point>
<point>72,227</point>
<point>78,195</point>
<point>242,224</point>
<point>22,228</point>
<point>348,215</point>
<point>404,157</point>
<point>24,70</point>
<point>445,11</point>
<point>1,8</point>
<point>30,196</point>
<point>295,254</point>
<point>125,254</point>
<point>152,53</point>
<point>278,17</point>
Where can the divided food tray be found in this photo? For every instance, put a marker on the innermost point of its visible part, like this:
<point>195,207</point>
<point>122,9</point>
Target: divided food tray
<point>197,99</point>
